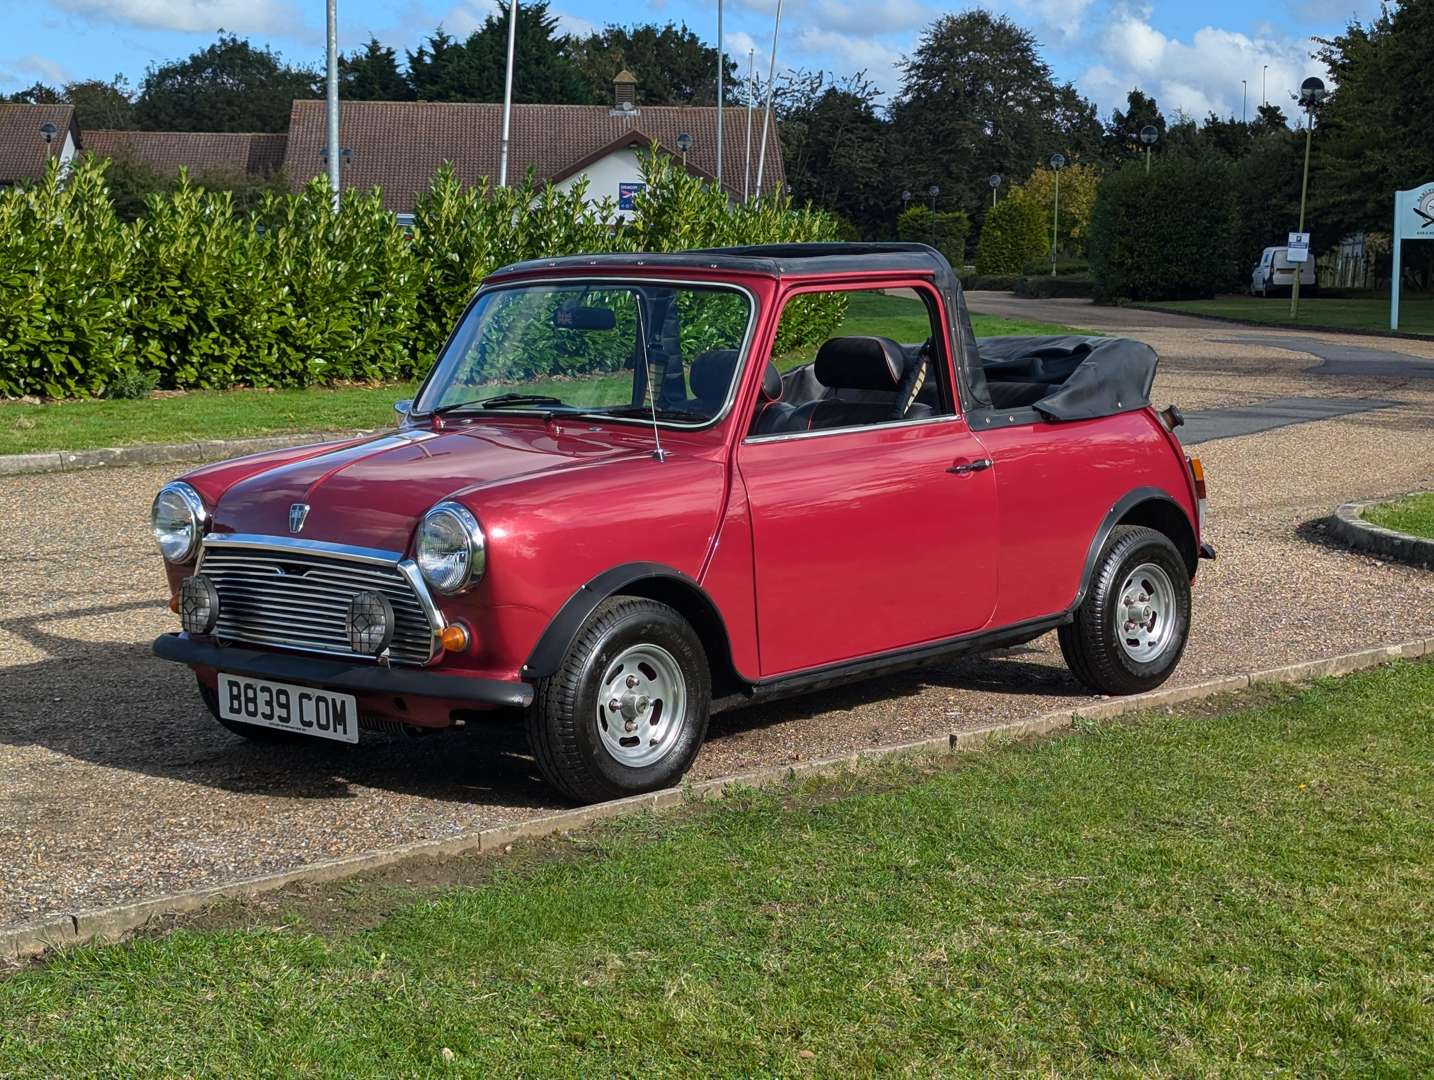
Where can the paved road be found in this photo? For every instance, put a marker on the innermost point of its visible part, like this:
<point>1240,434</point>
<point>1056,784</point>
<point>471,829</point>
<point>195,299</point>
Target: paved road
<point>114,782</point>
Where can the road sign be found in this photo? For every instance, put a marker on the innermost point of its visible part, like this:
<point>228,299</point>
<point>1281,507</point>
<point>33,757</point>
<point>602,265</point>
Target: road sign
<point>1413,220</point>
<point>1298,247</point>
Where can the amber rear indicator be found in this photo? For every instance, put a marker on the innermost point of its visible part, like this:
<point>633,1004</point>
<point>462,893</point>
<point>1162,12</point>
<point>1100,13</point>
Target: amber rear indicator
<point>1198,472</point>
<point>454,637</point>
<point>174,603</point>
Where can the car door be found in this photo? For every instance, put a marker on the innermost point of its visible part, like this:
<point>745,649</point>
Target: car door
<point>870,537</point>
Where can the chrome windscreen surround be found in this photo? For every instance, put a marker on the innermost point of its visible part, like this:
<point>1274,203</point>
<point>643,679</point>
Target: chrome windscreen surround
<point>295,594</point>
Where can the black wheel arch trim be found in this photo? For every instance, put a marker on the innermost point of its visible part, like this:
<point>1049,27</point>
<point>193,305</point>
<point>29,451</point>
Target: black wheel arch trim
<point>1113,517</point>
<point>548,653</point>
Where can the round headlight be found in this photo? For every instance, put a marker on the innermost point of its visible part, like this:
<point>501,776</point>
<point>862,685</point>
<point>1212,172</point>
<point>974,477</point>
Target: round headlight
<point>451,553</point>
<point>178,518</point>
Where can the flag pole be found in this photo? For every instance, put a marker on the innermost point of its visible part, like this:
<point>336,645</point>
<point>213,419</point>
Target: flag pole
<point>508,95</point>
<point>331,96</point>
<point>771,89</point>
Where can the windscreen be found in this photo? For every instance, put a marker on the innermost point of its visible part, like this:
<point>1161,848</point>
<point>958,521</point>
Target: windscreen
<point>622,349</point>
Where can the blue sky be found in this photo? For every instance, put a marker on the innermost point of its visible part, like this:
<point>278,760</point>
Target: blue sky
<point>1191,56</point>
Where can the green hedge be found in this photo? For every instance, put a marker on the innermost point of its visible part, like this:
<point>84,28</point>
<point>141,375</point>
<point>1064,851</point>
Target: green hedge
<point>1013,234</point>
<point>944,230</point>
<point>1164,236</point>
<point>194,294</point>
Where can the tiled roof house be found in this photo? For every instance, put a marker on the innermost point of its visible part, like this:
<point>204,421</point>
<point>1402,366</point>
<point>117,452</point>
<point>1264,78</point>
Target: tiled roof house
<point>398,145</point>
<point>24,149</point>
<point>198,151</point>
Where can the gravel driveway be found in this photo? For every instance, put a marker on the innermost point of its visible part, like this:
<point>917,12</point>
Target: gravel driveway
<point>115,784</point>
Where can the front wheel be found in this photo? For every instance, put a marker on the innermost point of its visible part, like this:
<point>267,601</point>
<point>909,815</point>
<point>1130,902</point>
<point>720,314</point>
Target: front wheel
<point>1130,631</point>
<point>626,712</point>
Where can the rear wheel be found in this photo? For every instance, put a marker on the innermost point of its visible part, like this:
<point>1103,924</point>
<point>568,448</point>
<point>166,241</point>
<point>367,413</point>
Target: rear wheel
<point>1130,631</point>
<point>252,732</point>
<point>627,710</point>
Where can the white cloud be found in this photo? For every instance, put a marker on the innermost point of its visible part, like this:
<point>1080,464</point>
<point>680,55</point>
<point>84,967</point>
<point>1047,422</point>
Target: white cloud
<point>27,69</point>
<point>1197,76</point>
<point>853,52</point>
<point>202,16</point>
<point>468,15</point>
<point>1064,17</point>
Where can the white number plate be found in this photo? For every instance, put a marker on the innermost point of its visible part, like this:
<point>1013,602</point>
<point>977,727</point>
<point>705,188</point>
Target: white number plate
<point>284,707</point>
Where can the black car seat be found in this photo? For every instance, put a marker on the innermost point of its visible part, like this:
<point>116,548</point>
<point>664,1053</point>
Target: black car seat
<point>773,414</point>
<point>872,380</point>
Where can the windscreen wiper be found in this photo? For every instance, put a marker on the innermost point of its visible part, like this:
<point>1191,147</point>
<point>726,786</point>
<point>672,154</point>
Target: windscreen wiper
<point>643,412</point>
<point>497,401</point>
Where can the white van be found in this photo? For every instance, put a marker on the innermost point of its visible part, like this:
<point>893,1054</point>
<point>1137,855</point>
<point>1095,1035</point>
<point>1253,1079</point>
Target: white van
<point>1275,273</point>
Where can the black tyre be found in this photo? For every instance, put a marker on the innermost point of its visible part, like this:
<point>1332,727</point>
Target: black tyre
<point>627,710</point>
<point>252,732</point>
<point>1131,629</point>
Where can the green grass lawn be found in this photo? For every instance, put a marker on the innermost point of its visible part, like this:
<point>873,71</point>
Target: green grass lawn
<point>79,425</point>
<point>1199,894</point>
<point>1413,515</point>
<point>1416,313</point>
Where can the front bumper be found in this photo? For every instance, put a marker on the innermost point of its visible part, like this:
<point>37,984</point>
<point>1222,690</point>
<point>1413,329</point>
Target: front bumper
<point>356,678</point>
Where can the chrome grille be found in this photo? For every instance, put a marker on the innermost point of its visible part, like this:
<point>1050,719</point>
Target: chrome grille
<point>298,597</point>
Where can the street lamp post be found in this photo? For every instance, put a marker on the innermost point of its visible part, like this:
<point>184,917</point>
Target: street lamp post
<point>934,190</point>
<point>1312,92</point>
<point>905,200</point>
<point>504,139</point>
<point>1058,162</point>
<point>1265,85</point>
<point>48,131</point>
<point>1149,134</point>
<point>995,183</point>
<point>684,144</point>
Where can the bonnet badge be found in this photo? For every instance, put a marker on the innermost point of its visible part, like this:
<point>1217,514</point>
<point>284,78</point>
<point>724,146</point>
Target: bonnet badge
<point>298,514</point>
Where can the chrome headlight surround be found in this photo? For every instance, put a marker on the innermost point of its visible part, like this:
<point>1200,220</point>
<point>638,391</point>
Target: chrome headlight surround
<point>178,519</point>
<point>451,551</point>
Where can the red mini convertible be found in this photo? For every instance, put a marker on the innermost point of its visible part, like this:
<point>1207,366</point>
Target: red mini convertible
<point>637,488</point>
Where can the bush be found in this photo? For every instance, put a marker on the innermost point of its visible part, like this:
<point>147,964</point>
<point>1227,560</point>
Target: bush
<point>1013,234</point>
<point>195,293</point>
<point>991,282</point>
<point>1046,287</point>
<point>1165,236</point>
<point>946,231</point>
<point>132,385</point>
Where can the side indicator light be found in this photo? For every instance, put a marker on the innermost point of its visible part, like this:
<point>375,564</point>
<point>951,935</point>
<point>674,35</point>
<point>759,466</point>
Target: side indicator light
<point>454,637</point>
<point>174,603</point>
<point>1198,472</point>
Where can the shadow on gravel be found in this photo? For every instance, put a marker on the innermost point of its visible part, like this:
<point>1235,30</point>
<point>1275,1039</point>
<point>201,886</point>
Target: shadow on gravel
<point>116,705</point>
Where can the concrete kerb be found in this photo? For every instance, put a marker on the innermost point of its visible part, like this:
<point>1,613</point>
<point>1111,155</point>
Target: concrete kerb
<point>159,453</point>
<point>113,923</point>
<point>1349,527</point>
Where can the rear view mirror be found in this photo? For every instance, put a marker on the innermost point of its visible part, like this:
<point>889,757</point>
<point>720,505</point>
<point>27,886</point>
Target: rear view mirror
<point>573,317</point>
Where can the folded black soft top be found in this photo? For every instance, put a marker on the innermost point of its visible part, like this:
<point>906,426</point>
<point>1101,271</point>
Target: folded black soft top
<point>1088,376</point>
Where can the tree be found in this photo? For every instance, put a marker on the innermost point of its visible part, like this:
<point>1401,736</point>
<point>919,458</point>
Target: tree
<point>1122,134</point>
<point>1078,188</point>
<point>230,86</point>
<point>445,69</point>
<point>38,94</point>
<point>977,98</point>
<point>834,145</point>
<point>672,65</point>
<point>1373,136</point>
<point>372,74</point>
<point>102,105</point>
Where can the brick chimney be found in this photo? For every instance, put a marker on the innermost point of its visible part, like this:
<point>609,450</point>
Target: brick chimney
<point>624,92</point>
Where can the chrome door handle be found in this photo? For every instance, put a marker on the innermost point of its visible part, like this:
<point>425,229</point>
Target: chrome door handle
<point>971,466</point>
